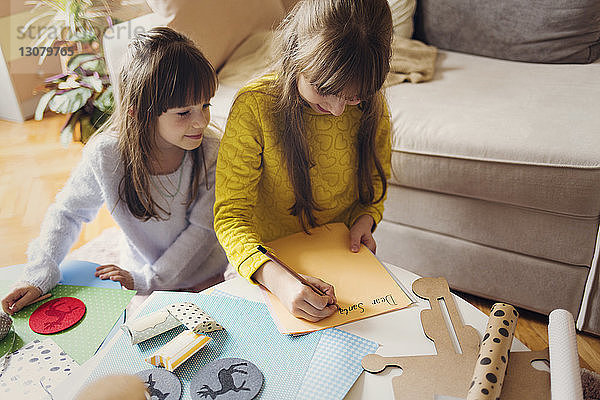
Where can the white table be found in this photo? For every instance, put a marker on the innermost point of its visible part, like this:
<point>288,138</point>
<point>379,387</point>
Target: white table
<point>399,333</point>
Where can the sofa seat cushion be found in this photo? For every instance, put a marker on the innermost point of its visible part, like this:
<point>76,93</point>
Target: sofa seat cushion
<point>533,283</point>
<point>516,133</point>
<point>552,236</point>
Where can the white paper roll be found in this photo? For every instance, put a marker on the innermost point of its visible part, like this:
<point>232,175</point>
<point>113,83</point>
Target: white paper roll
<point>565,374</point>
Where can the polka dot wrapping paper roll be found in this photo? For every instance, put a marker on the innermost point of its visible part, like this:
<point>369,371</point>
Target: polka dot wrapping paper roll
<point>490,369</point>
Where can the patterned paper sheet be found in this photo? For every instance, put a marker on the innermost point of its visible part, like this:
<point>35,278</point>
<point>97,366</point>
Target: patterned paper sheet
<point>250,334</point>
<point>335,366</point>
<point>193,317</point>
<point>103,308</point>
<point>26,370</point>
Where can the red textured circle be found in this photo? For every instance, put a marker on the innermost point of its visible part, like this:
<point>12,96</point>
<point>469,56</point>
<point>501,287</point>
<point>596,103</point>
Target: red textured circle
<point>56,315</point>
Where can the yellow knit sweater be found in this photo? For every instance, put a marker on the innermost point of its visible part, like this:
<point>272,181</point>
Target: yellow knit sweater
<point>253,190</point>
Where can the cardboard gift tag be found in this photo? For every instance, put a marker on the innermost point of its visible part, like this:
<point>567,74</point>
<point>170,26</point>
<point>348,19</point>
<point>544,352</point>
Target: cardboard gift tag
<point>451,371</point>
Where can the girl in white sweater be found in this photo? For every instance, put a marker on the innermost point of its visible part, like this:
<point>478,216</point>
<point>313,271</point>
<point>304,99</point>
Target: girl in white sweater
<point>153,166</point>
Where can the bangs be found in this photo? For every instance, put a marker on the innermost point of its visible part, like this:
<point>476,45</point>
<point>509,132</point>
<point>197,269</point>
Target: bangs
<point>351,72</point>
<point>187,79</point>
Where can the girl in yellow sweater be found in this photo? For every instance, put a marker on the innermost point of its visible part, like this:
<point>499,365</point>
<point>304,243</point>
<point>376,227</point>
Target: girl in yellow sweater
<point>309,144</point>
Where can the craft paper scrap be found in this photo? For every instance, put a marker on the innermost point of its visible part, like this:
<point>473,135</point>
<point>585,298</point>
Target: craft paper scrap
<point>335,366</point>
<point>217,292</point>
<point>37,364</point>
<point>104,306</point>
<point>363,287</point>
<point>248,333</point>
<point>182,347</point>
<point>148,326</point>
<point>193,317</point>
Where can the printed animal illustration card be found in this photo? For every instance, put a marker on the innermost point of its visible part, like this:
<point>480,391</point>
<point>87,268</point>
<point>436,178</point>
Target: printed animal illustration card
<point>363,286</point>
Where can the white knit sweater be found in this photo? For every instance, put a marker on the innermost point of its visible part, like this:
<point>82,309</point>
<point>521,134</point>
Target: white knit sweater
<point>171,254</point>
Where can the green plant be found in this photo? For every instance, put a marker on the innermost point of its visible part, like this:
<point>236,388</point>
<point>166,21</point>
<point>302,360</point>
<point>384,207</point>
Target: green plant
<point>84,92</point>
<point>64,21</point>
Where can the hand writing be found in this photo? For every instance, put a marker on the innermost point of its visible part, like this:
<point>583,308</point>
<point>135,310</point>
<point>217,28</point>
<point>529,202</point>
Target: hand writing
<point>299,299</point>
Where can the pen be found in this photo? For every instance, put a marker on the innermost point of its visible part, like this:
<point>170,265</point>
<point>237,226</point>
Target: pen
<point>275,259</point>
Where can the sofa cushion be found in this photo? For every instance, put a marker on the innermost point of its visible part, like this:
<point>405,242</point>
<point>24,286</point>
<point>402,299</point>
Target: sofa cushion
<point>559,237</point>
<point>403,12</point>
<point>533,283</point>
<point>218,27</point>
<point>515,133</point>
<point>546,31</point>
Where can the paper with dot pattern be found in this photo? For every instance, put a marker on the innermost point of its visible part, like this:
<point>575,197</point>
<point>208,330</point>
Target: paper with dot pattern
<point>35,364</point>
<point>103,308</point>
<point>193,317</point>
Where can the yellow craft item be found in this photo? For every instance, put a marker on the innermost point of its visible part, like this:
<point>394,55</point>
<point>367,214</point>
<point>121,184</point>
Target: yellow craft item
<point>174,353</point>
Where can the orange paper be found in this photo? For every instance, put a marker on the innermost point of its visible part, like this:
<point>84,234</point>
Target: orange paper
<point>363,287</point>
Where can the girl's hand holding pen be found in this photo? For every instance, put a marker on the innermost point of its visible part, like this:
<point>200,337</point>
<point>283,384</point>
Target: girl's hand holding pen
<point>299,299</point>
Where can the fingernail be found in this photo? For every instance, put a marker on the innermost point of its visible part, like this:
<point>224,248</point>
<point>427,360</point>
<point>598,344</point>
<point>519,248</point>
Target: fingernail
<point>354,248</point>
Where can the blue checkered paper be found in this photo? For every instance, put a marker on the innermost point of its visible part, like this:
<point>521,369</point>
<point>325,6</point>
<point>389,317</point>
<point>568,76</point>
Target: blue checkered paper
<point>335,365</point>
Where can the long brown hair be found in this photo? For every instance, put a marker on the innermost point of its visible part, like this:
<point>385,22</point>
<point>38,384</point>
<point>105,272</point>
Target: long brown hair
<point>163,69</point>
<point>336,45</point>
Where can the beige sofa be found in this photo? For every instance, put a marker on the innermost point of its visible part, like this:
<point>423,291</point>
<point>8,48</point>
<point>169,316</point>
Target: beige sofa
<point>495,171</point>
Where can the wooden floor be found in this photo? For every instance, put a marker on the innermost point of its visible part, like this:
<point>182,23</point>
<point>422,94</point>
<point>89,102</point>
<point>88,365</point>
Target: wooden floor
<point>34,166</point>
